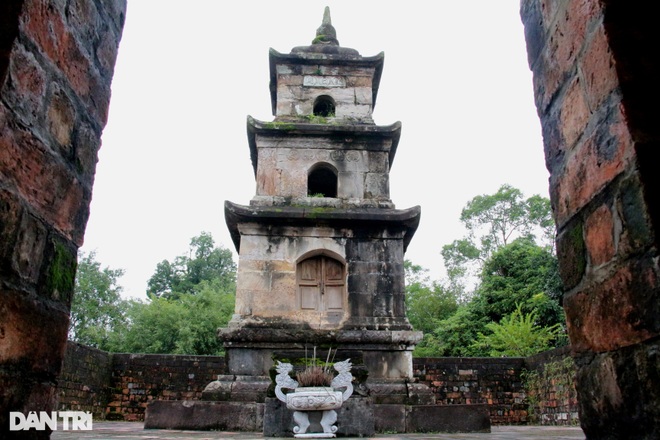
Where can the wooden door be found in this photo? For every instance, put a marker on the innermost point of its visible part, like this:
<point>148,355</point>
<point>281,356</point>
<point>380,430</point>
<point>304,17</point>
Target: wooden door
<point>321,284</point>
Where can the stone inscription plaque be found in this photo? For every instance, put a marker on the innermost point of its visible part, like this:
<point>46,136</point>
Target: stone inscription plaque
<point>323,81</point>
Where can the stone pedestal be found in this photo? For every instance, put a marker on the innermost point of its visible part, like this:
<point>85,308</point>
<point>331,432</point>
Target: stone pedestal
<point>385,354</point>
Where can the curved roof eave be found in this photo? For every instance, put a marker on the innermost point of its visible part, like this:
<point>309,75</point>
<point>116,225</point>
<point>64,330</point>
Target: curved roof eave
<point>255,126</point>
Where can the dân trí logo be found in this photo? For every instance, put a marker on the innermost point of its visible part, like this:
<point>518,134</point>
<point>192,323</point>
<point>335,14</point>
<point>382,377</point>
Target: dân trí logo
<point>71,420</point>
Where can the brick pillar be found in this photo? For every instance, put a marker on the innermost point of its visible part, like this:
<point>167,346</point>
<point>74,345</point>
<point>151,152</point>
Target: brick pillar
<point>56,64</point>
<point>595,66</point>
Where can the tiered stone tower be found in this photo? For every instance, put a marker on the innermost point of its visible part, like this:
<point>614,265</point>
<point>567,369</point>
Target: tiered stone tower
<point>321,246</point>
<point>321,249</point>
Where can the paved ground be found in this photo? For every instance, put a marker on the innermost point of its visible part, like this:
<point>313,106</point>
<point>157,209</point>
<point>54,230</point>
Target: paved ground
<point>133,430</point>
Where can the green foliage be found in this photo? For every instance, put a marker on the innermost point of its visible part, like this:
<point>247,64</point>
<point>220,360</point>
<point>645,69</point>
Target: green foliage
<point>190,299</point>
<point>184,275</point>
<point>97,310</point>
<point>185,325</point>
<point>517,335</point>
<point>453,336</point>
<point>280,125</point>
<point>318,119</point>
<point>511,272</point>
<point>520,273</point>
<point>427,302</point>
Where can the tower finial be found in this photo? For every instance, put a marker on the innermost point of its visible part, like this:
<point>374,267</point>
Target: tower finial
<point>326,34</point>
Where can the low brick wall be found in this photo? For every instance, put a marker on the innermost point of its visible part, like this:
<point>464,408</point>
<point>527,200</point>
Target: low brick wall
<point>120,386</point>
<point>493,381</point>
<point>85,381</point>
<point>551,393</point>
<point>140,378</point>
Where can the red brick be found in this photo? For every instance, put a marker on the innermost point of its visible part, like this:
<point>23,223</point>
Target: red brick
<point>33,332</point>
<point>566,38</point>
<point>615,313</point>
<point>588,170</point>
<point>28,82</point>
<point>45,183</point>
<point>599,236</point>
<point>598,69</point>
<point>574,114</point>
<point>43,22</point>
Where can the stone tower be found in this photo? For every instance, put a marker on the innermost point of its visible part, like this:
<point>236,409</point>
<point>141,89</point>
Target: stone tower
<point>321,249</point>
<point>321,245</point>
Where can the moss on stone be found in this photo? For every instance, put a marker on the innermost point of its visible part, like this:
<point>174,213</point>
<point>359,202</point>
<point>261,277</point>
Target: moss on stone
<point>61,273</point>
<point>319,39</point>
<point>276,125</point>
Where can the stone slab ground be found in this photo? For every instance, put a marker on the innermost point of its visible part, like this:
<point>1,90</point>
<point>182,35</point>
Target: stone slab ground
<point>135,430</point>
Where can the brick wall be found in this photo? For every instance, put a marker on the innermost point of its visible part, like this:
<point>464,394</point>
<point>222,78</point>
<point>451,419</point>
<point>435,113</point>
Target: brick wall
<point>84,384</point>
<point>138,379</point>
<point>56,65</point>
<point>494,381</point>
<point>120,386</point>
<point>550,387</point>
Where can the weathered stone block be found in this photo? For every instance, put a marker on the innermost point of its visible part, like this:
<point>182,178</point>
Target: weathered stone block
<point>205,416</point>
<point>389,418</point>
<point>612,403</point>
<point>26,89</point>
<point>350,185</point>
<point>448,418</point>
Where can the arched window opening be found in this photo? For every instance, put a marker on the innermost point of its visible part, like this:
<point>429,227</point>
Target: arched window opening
<point>321,284</point>
<point>324,106</point>
<point>322,182</point>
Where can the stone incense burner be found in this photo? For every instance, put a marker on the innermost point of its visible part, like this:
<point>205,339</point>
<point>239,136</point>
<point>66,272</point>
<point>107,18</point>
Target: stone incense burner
<point>304,400</point>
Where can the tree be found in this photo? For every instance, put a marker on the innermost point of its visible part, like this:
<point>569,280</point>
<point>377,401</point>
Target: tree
<point>493,221</point>
<point>517,334</point>
<point>520,274</point>
<point>184,325</point>
<point>501,258</point>
<point>188,300</point>
<point>184,275</point>
<point>97,309</point>
<point>453,336</point>
<point>427,302</point>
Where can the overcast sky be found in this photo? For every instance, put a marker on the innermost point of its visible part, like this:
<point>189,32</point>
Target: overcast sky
<point>175,146</point>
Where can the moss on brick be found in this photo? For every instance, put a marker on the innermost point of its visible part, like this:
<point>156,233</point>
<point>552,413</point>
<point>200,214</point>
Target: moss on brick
<point>61,273</point>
